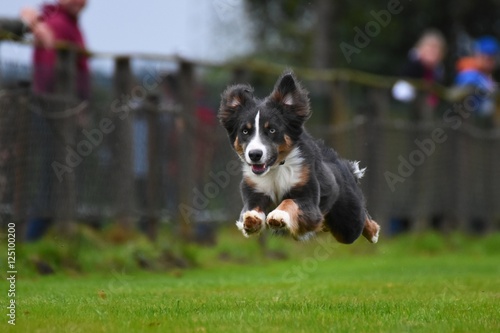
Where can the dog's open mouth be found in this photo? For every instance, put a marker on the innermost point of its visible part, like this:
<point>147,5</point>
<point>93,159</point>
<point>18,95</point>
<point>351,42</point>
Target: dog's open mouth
<point>259,169</point>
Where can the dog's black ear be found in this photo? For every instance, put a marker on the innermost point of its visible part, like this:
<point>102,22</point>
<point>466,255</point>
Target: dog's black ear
<point>290,97</point>
<point>234,98</point>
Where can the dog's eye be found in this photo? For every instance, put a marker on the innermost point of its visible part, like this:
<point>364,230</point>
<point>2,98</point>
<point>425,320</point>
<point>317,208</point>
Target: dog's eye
<point>272,130</point>
<point>245,131</point>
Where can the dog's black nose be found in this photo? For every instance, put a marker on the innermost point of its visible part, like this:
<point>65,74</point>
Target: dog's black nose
<point>255,155</point>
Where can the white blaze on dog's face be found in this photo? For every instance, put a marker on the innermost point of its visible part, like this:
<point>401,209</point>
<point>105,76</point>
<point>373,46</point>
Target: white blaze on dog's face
<point>256,151</point>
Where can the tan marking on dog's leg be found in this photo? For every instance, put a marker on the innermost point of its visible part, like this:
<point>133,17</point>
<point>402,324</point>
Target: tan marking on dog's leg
<point>285,215</point>
<point>371,230</point>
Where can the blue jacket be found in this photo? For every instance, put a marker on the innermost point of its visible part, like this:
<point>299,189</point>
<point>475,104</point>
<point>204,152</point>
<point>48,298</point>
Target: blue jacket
<point>484,87</point>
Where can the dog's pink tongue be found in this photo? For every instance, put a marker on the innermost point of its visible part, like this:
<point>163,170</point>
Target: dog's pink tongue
<point>258,167</point>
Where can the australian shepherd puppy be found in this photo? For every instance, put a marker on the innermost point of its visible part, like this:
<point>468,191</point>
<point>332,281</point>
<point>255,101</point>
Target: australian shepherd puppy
<point>291,182</point>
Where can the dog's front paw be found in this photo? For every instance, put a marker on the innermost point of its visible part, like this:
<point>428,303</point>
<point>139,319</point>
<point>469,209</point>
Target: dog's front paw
<point>278,219</point>
<point>251,222</point>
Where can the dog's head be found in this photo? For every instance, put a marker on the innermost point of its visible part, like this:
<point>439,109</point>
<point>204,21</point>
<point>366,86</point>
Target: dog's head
<point>264,131</point>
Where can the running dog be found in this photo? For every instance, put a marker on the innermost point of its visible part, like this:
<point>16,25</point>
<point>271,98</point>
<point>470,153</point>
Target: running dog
<point>292,183</point>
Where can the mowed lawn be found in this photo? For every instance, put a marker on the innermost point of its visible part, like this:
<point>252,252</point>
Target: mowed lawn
<point>402,285</point>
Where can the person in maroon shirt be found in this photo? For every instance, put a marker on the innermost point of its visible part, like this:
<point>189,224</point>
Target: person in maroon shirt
<point>54,23</point>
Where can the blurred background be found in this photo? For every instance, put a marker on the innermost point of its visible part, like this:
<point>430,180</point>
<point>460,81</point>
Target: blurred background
<point>408,88</point>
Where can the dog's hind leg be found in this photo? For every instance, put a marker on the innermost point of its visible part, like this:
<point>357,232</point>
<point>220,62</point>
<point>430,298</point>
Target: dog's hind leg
<point>346,219</point>
<point>371,229</point>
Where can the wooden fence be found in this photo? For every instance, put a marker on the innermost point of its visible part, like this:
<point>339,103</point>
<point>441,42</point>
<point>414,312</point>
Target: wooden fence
<point>420,173</point>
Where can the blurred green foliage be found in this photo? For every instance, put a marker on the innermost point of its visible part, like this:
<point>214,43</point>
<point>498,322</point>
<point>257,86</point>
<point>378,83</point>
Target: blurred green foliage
<point>110,251</point>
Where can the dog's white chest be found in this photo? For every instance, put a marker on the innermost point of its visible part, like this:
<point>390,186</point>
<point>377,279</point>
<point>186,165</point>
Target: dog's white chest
<point>279,179</point>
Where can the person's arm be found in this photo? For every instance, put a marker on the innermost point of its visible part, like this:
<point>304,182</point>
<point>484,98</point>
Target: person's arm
<point>42,32</point>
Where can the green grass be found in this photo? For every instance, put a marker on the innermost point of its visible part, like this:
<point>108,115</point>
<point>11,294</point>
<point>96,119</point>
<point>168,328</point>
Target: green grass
<point>423,283</point>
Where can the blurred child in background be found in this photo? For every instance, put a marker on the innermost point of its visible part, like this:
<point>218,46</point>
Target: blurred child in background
<point>424,63</point>
<point>475,72</point>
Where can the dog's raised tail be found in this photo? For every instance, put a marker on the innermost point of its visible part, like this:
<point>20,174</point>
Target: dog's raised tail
<point>356,171</point>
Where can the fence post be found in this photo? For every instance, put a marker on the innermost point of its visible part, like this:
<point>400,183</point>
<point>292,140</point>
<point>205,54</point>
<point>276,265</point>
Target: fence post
<point>63,122</point>
<point>122,147</point>
<point>187,158</point>
<point>22,129</point>
<point>338,105</point>
<point>375,145</point>
<point>154,164</point>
